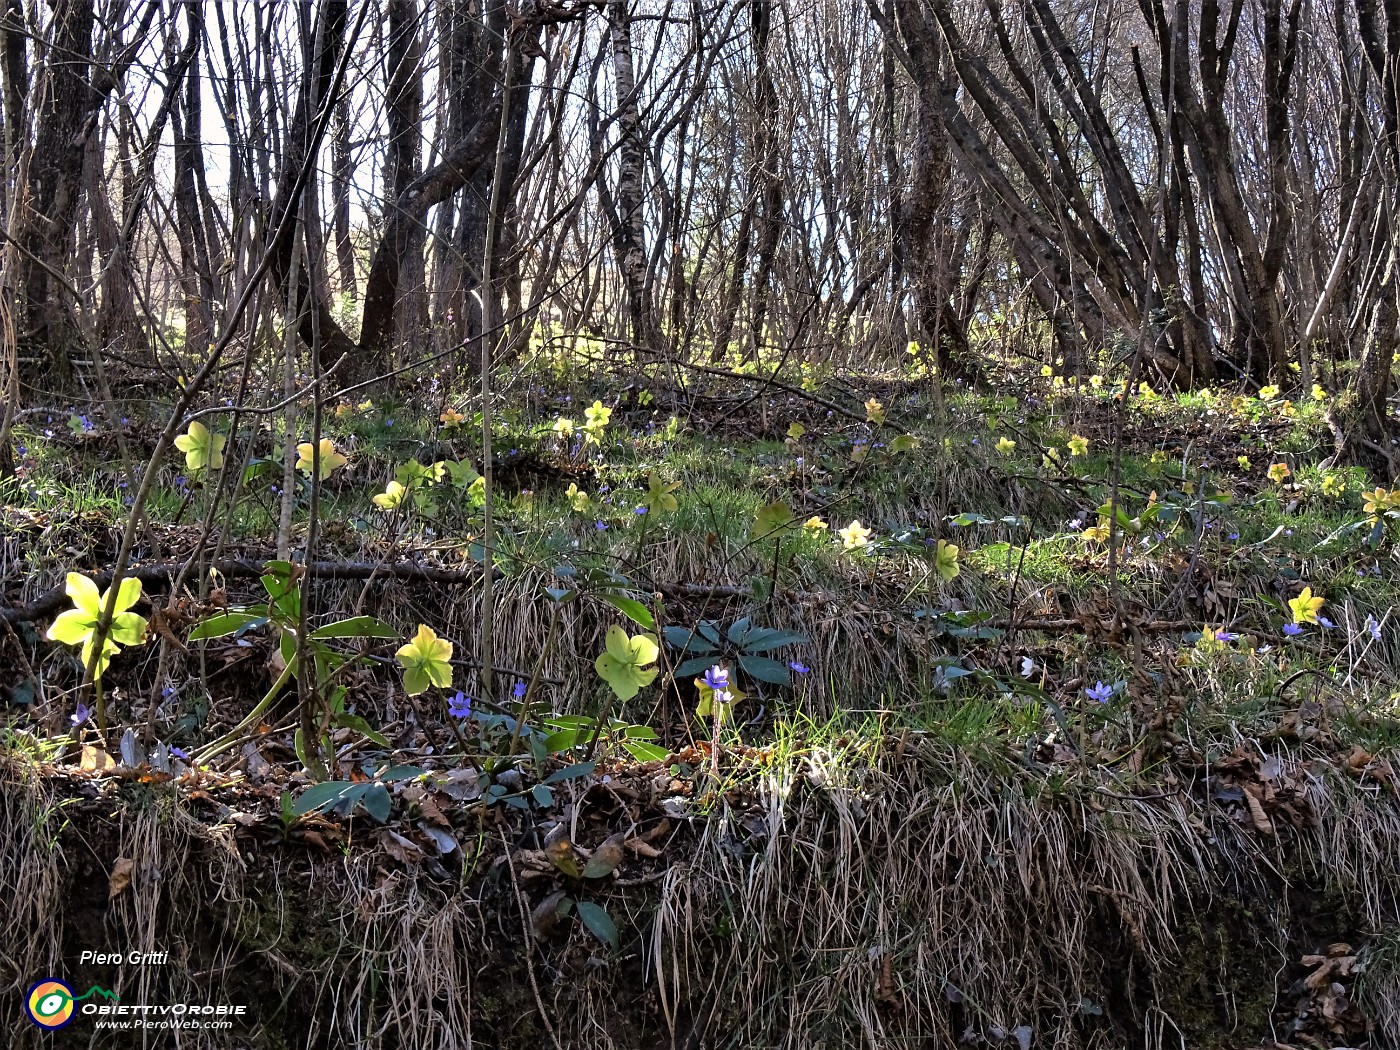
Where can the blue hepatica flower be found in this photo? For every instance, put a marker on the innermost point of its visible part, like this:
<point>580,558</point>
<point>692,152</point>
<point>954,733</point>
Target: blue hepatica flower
<point>180,753</point>
<point>1099,692</point>
<point>1223,635</point>
<point>717,678</point>
<point>81,715</point>
<point>798,666</point>
<point>639,510</point>
<point>1373,628</point>
<point>1292,630</point>
<point>518,690</point>
<point>460,706</point>
<point>601,526</point>
<point>1325,622</point>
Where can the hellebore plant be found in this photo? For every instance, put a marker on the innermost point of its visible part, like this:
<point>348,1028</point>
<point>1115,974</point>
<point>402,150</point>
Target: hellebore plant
<point>426,660</point>
<point>1305,607</point>
<point>79,624</point>
<point>203,450</point>
<point>623,662</point>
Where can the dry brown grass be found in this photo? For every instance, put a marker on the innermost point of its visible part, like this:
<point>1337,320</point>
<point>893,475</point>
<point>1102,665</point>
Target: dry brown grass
<point>888,894</point>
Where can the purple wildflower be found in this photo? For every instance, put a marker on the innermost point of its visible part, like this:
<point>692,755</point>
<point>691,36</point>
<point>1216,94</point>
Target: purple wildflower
<point>1099,692</point>
<point>460,706</point>
<point>1292,630</point>
<point>717,678</point>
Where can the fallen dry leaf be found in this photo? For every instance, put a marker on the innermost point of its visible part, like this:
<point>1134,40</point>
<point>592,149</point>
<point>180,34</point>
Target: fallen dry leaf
<point>95,760</point>
<point>561,853</point>
<point>643,848</point>
<point>545,918</point>
<point>120,878</point>
<point>605,858</point>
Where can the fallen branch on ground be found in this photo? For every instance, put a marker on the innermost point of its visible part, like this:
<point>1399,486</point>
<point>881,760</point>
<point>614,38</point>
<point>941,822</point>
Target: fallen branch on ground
<point>158,573</point>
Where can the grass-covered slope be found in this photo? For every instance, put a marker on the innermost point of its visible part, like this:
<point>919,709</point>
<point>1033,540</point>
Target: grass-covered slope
<point>1075,724</point>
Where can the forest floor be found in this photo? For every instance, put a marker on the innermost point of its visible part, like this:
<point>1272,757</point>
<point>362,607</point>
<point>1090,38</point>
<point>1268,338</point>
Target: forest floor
<point>1008,768</point>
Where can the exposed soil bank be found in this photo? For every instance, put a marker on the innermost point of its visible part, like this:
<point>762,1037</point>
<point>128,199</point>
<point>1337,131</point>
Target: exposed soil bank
<point>922,899</point>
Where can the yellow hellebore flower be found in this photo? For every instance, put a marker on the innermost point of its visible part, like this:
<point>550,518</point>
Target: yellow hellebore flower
<point>1305,607</point>
<point>874,411</point>
<point>596,416</point>
<point>563,427</point>
<point>331,460</point>
<point>1078,445</point>
<point>623,662</point>
<point>578,498</point>
<point>814,525</point>
<point>854,536</point>
<point>659,499</point>
<point>392,496</point>
<point>1378,501</point>
<point>945,560</point>
<point>426,660</point>
<point>79,624</point>
<point>1096,381</point>
<point>203,450</point>
<point>1005,446</point>
<point>1243,461</point>
<point>1278,472</point>
<point>451,417</point>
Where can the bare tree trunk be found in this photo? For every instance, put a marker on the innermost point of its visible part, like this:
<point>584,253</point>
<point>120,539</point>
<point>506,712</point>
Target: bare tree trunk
<point>55,174</point>
<point>404,111</point>
<point>942,332</point>
<point>196,272</point>
<point>1360,415</point>
<point>629,238</point>
<point>342,174</point>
